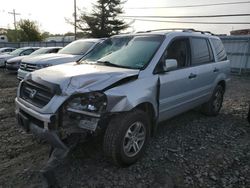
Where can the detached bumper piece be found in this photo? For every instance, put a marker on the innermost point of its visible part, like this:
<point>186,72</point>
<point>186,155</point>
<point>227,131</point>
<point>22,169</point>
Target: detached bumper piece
<point>59,150</point>
<point>44,134</point>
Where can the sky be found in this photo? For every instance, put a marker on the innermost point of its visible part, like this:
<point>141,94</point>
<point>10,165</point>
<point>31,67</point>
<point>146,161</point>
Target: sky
<point>51,14</point>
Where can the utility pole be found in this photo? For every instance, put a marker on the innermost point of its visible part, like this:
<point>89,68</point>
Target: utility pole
<point>75,16</point>
<point>14,14</point>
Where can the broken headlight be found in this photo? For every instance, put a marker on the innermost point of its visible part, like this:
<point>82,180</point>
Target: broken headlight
<point>92,104</point>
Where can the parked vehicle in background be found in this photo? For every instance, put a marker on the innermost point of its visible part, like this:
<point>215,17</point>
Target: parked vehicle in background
<point>149,78</point>
<point>18,52</point>
<point>70,53</point>
<point>13,64</point>
<point>6,50</point>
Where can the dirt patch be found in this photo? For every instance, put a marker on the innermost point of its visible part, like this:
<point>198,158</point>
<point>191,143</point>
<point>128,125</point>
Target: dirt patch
<point>191,150</point>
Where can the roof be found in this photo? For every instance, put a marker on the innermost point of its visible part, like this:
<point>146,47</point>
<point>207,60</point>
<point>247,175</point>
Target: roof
<point>174,31</point>
<point>7,48</point>
<point>29,47</point>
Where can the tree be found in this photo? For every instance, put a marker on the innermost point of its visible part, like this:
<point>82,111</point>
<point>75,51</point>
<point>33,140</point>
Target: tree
<point>28,31</point>
<point>103,22</point>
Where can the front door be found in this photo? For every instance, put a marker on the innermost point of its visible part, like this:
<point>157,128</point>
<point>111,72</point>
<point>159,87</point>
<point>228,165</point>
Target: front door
<point>176,86</point>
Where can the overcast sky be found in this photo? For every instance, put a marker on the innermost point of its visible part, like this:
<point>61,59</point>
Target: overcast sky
<point>51,14</point>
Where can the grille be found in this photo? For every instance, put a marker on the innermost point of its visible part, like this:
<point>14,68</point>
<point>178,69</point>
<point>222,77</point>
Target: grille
<point>28,67</point>
<point>35,94</point>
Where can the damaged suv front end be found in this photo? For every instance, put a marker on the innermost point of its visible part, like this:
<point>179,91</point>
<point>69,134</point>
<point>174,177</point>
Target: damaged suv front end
<point>84,97</point>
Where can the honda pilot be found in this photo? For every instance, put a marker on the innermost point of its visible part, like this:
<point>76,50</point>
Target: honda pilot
<point>124,89</point>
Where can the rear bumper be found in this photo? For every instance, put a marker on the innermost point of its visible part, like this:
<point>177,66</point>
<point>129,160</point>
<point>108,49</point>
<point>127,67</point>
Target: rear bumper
<point>2,63</point>
<point>25,118</point>
<point>11,68</point>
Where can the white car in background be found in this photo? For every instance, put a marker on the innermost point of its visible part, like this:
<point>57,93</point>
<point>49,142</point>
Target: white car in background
<point>18,52</point>
<point>70,53</point>
<point>13,64</point>
<point>6,50</point>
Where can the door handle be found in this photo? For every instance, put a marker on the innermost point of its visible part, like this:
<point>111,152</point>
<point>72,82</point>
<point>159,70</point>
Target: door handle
<point>192,75</point>
<point>216,70</point>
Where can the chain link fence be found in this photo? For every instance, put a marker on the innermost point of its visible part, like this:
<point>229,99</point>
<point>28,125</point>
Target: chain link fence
<point>238,51</point>
<point>34,44</point>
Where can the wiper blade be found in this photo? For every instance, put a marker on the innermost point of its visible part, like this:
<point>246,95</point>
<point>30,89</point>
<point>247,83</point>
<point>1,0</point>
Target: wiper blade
<point>114,65</point>
<point>108,63</point>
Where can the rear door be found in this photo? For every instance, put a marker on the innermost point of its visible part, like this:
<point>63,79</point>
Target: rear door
<point>203,66</point>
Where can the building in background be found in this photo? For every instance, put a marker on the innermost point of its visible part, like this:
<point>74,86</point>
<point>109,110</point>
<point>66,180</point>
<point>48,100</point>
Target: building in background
<point>240,32</point>
<point>60,39</point>
<point>3,38</point>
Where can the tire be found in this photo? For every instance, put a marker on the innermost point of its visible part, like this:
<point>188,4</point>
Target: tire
<point>122,134</point>
<point>213,106</point>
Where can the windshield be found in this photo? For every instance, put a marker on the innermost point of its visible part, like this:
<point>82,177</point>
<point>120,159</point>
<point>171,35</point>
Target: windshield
<point>106,47</point>
<point>77,48</point>
<point>136,54</point>
<point>16,52</point>
<point>40,51</point>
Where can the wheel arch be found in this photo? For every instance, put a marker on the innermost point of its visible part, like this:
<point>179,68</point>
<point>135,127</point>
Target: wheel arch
<point>149,109</point>
<point>223,84</point>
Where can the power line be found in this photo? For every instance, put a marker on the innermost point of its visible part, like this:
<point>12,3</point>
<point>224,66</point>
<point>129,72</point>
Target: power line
<point>192,6</point>
<point>190,22</point>
<point>198,16</point>
<point>75,16</point>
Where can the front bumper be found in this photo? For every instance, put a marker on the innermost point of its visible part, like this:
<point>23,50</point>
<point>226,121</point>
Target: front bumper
<point>28,119</point>
<point>21,74</point>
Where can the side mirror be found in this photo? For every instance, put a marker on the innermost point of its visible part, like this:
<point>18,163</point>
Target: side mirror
<point>170,64</point>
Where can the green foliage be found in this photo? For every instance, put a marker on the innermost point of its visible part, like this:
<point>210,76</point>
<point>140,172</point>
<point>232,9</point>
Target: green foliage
<point>12,35</point>
<point>28,31</point>
<point>103,22</point>
<point>45,35</point>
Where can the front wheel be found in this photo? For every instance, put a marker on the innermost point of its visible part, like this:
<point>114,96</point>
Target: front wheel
<point>126,137</point>
<point>213,106</point>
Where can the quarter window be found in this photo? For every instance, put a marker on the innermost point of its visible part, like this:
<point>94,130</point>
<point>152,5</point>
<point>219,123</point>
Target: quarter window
<point>201,51</point>
<point>219,49</point>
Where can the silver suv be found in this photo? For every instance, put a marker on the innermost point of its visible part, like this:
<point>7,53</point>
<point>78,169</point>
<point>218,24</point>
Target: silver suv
<point>125,88</point>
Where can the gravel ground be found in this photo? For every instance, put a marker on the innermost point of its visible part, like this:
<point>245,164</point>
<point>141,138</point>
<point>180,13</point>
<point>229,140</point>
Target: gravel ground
<point>191,150</point>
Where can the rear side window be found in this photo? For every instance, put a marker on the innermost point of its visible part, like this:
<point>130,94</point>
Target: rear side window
<point>219,49</point>
<point>201,51</point>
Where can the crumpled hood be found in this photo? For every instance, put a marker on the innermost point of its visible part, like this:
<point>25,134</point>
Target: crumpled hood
<point>53,59</point>
<point>78,78</point>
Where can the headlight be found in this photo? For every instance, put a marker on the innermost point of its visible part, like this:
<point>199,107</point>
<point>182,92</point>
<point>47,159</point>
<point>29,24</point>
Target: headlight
<point>41,66</point>
<point>92,104</point>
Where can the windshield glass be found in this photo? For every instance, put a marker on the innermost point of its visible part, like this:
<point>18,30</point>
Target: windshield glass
<point>136,54</point>
<point>77,48</point>
<point>40,51</point>
<point>16,52</point>
<point>106,47</point>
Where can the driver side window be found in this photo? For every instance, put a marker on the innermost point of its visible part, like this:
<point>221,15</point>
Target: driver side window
<point>180,51</point>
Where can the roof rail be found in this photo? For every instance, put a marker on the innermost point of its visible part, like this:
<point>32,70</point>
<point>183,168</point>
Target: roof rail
<point>177,29</point>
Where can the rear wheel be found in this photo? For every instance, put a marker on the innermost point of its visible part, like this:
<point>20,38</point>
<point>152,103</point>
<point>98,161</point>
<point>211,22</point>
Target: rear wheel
<point>126,137</point>
<point>213,106</point>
